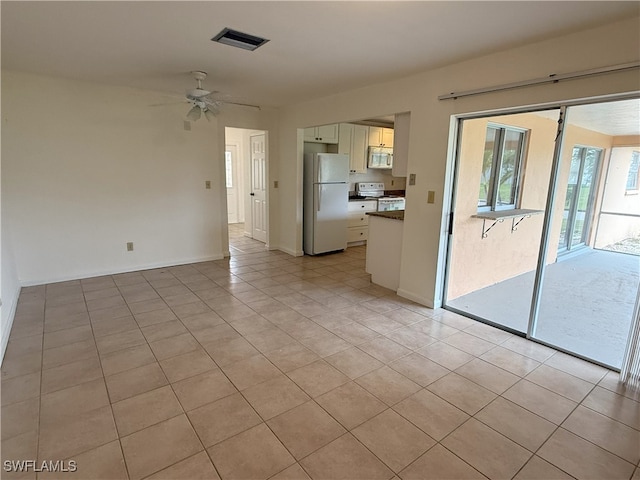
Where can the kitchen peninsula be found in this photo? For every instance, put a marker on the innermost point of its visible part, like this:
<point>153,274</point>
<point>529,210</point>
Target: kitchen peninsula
<point>384,247</point>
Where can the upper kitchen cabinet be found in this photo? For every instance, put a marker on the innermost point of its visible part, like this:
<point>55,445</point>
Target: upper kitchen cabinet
<point>353,141</point>
<point>322,134</point>
<point>380,137</point>
<point>401,147</point>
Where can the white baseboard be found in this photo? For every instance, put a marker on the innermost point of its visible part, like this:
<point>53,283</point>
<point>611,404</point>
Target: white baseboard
<point>294,253</point>
<point>12,306</point>
<point>419,299</point>
<point>135,268</point>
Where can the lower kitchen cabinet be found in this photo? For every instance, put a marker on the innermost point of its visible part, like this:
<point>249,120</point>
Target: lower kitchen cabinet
<point>358,225</point>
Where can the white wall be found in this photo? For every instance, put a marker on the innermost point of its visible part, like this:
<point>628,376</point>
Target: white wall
<point>9,288</point>
<point>89,167</point>
<point>430,142</point>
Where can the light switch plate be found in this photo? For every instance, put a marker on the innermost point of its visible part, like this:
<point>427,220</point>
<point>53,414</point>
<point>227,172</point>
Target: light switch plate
<point>431,196</point>
<point>207,184</point>
<point>129,246</point>
<point>412,179</point>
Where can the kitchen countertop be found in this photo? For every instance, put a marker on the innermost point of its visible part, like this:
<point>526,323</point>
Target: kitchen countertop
<point>392,214</point>
<point>353,197</point>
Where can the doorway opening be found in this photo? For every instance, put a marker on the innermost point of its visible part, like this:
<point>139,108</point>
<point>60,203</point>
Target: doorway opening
<point>246,181</point>
<point>535,207</point>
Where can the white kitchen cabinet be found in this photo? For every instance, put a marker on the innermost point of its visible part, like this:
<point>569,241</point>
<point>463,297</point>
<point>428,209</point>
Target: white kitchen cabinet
<point>353,141</point>
<point>401,145</point>
<point>322,134</point>
<point>358,220</point>
<point>381,137</point>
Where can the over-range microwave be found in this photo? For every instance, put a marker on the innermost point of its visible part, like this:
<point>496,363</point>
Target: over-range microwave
<point>380,157</point>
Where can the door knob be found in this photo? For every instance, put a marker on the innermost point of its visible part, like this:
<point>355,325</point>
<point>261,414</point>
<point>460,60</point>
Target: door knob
<point>252,194</point>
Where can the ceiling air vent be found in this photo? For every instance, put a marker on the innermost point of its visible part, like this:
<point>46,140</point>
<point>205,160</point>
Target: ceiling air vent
<point>239,39</point>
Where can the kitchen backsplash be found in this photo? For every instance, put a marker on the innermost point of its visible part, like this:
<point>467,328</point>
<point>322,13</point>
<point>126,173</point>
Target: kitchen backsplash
<point>390,182</point>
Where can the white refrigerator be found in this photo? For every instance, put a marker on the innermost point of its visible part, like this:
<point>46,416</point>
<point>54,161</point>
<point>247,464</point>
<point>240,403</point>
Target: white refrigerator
<point>326,198</point>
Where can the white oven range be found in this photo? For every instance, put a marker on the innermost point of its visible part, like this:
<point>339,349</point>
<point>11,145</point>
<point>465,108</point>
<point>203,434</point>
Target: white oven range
<point>376,190</point>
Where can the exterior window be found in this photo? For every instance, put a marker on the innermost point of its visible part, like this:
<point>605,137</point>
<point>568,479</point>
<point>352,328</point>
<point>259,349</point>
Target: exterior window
<point>501,164</point>
<point>634,172</point>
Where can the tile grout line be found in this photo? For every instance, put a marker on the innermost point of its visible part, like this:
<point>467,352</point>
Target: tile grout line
<point>104,380</point>
<point>172,390</point>
<point>323,358</point>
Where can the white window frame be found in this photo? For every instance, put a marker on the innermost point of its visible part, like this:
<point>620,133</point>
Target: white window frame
<point>496,166</point>
<point>633,189</point>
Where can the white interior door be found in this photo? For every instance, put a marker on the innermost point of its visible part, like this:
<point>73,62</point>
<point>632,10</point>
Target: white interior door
<point>259,187</point>
<point>232,180</point>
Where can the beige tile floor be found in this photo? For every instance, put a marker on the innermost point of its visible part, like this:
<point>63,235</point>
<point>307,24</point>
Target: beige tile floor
<point>269,366</point>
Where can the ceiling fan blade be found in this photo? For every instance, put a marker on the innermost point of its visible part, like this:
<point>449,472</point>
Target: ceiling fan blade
<point>225,98</point>
<point>242,104</point>
<point>212,102</point>
<point>167,103</point>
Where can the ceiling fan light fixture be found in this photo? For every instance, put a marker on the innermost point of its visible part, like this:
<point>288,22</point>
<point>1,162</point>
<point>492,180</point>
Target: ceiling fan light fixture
<point>198,92</point>
<point>194,114</point>
<point>209,114</point>
<point>238,39</point>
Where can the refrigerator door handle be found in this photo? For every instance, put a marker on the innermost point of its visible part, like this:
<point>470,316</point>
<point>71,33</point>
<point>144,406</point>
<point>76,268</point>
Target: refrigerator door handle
<point>320,162</point>
<point>319,197</point>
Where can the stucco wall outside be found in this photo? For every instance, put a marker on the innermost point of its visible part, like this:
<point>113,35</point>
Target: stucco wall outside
<point>478,262</point>
<point>616,199</point>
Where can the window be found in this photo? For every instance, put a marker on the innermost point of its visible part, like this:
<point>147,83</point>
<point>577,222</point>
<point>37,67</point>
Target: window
<point>634,172</point>
<point>501,164</point>
<point>228,167</point>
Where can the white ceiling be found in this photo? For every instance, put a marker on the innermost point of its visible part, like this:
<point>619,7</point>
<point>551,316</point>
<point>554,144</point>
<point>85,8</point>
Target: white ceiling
<point>315,49</point>
<point>611,118</point>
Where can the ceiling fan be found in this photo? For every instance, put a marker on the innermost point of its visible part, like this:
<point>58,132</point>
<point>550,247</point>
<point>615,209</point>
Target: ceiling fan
<point>204,101</point>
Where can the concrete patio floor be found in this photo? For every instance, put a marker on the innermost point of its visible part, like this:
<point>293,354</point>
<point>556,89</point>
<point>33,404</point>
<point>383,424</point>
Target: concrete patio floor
<point>586,308</point>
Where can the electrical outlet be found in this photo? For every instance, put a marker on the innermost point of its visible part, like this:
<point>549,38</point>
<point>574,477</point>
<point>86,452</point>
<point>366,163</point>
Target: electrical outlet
<point>393,183</point>
<point>412,179</point>
<point>275,184</point>
<point>129,246</point>
<point>431,196</point>
<point>207,184</point>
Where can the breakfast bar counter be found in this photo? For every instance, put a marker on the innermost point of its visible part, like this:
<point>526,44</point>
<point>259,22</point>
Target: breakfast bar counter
<point>384,248</point>
<point>392,214</point>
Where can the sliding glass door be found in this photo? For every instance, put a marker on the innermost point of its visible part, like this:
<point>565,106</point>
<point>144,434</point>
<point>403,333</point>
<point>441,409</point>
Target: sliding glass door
<point>587,299</point>
<point>502,177</point>
<point>579,198</point>
<point>527,194</point>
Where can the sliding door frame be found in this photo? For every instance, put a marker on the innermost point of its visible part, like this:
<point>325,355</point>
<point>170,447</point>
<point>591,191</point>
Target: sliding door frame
<point>546,224</point>
<point>453,163</point>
